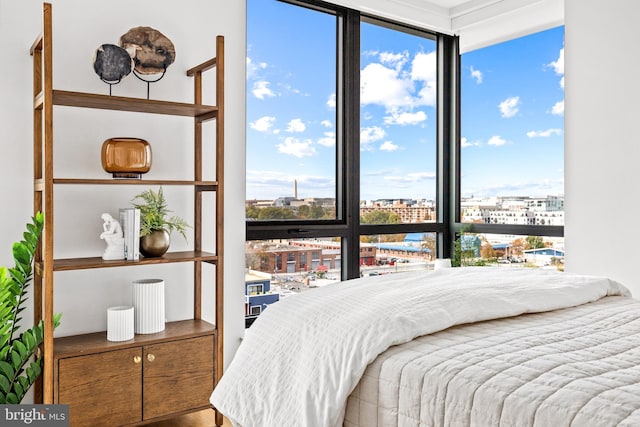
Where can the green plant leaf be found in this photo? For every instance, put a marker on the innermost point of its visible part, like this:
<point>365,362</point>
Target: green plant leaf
<point>19,391</point>
<point>24,382</point>
<point>5,386</point>
<point>22,256</point>
<point>7,370</point>
<point>21,349</point>
<point>28,340</point>
<point>12,399</point>
<point>16,359</point>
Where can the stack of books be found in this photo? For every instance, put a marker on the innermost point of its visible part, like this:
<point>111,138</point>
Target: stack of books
<point>130,221</point>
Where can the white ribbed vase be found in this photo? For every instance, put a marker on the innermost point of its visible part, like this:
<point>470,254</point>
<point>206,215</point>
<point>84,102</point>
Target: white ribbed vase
<point>120,323</point>
<point>148,303</point>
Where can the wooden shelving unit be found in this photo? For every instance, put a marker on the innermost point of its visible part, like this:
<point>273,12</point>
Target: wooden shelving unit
<point>149,357</point>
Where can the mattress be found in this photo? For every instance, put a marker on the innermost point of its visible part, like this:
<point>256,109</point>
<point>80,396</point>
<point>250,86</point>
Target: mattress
<point>578,366</point>
<point>304,356</point>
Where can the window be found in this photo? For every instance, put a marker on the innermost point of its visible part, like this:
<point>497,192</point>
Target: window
<point>512,125</point>
<point>342,143</point>
<point>397,125</point>
<point>355,165</point>
<point>255,289</point>
<point>291,112</point>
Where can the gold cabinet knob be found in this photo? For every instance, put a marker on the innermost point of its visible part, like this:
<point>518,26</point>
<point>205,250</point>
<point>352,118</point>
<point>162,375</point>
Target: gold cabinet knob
<point>151,357</point>
<point>137,359</point>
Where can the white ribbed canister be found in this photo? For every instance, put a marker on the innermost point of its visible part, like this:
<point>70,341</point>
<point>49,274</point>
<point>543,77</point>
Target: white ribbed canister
<point>120,323</point>
<point>148,303</point>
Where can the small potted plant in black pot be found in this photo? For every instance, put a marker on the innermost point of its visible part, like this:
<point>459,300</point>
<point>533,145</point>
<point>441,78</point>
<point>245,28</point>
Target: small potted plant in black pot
<point>155,227</point>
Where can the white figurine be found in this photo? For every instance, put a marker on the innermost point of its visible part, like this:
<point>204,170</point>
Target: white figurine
<point>112,234</point>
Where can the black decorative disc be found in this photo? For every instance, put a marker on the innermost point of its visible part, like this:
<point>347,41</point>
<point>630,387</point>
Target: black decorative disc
<point>112,63</point>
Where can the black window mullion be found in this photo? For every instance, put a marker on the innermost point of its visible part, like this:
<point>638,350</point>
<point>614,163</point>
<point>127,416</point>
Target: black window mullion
<point>350,78</point>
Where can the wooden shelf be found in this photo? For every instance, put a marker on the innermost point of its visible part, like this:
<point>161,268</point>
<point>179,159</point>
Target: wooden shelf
<point>67,264</point>
<point>110,181</point>
<point>96,342</point>
<point>164,387</point>
<point>121,103</point>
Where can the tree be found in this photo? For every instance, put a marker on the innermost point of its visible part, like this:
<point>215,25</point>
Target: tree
<point>534,242</point>
<point>252,212</point>
<point>487,251</point>
<point>517,246</point>
<point>428,243</point>
<point>303,211</point>
<point>380,217</point>
<point>275,213</point>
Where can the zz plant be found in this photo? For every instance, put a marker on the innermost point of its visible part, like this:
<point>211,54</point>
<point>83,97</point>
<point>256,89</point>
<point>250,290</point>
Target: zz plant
<point>18,369</point>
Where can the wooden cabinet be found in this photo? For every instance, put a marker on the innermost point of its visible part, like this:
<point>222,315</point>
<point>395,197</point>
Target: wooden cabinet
<point>150,379</point>
<point>152,376</point>
<point>107,396</point>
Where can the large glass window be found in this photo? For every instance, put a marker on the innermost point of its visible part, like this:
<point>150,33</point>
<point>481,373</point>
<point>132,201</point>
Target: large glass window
<point>291,111</point>
<point>512,126</point>
<point>397,125</point>
<point>353,149</point>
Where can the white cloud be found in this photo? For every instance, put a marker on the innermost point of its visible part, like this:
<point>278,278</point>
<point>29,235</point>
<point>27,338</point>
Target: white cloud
<point>496,140</point>
<point>464,143</point>
<point>263,124</point>
<point>509,107</point>
<point>252,68</point>
<point>296,125</point>
<point>476,74</point>
<point>261,89</point>
<point>424,67</point>
<point>544,133</point>
<point>399,87</point>
<point>388,146</point>
<point>371,134</point>
<point>329,139</point>
<point>558,64</point>
<point>331,101</point>
<point>295,147</point>
<point>558,108</point>
<point>327,123</point>
<point>384,86</point>
<point>397,118</point>
<point>396,60</point>
<point>411,177</point>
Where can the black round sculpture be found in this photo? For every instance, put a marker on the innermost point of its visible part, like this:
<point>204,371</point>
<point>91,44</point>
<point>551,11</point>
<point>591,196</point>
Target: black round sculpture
<point>111,63</point>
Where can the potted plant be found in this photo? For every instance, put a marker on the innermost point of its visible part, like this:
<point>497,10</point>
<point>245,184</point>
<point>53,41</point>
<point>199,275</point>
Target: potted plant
<point>155,226</point>
<point>18,370</point>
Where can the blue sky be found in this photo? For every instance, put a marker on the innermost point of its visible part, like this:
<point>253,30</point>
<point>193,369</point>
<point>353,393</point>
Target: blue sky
<point>512,124</point>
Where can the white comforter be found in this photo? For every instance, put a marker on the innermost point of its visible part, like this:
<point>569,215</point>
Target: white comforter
<point>301,359</point>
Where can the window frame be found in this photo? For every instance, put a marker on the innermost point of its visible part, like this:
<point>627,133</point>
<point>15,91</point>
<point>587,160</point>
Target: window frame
<point>346,225</point>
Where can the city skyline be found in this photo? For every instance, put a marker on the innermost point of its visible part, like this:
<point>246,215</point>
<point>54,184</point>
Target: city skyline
<point>512,106</point>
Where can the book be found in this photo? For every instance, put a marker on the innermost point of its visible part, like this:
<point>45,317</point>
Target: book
<point>130,222</point>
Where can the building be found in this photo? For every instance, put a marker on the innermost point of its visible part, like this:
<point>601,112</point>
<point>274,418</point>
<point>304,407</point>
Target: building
<point>258,295</point>
<point>543,256</point>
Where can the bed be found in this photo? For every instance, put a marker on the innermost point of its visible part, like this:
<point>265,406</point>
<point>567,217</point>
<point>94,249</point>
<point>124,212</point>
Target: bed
<point>454,347</point>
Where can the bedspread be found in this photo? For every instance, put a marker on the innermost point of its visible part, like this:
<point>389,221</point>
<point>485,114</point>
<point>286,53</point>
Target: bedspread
<point>576,366</point>
<point>302,358</point>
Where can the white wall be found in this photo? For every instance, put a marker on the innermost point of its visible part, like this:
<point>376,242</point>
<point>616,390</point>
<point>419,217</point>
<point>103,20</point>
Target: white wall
<point>602,151</point>
<point>79,27</point>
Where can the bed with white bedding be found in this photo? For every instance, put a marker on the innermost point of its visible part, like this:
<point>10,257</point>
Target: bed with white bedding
<point>422,349</point>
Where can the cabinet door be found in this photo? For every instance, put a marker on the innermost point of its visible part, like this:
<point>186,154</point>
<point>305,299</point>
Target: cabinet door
<point>178,376</point>
<point>102,389</point>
